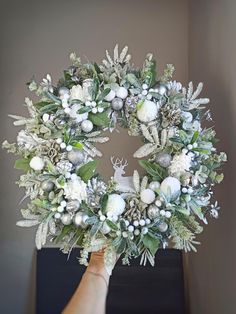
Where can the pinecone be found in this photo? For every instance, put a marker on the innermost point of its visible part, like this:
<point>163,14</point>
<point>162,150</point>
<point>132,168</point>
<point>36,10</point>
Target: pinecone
<point>52,150</point>
<point>171,115</point>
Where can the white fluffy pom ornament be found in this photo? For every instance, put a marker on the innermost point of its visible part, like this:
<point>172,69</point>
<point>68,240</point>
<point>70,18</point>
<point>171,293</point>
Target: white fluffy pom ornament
<point>147,196</point>
<point>37,163</point>
<point>170,186</point>
<point>115,204</point>
<point>147,111</point>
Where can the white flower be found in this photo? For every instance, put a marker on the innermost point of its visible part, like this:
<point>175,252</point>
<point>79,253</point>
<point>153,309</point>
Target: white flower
<point>76,92</point>
<point>179,164</point>
<point>37,163</point>
<point>75,189</point>
<point>147,111</point>
<point>73,113</point>
<point>174,86</point>
<point>115,204</point>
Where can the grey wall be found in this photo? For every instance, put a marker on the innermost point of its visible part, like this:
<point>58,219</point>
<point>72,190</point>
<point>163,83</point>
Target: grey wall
<point>36,38</point>
<point>212,42</point>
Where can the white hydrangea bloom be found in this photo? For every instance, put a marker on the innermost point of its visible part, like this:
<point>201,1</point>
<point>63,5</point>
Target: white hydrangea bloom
<point>76,92</point>
<point>75,189</point>
<point>179,164</point>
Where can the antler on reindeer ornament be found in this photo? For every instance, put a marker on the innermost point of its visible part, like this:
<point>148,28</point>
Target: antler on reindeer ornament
<point>72,205</point>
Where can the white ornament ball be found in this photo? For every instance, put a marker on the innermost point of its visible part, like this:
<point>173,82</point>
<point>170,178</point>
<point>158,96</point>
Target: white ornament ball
<point>170,186</point>
<point>131,228</point>
<point>154,185</point>
<point>122,92</point>
<point>115,204</point>
<point>80,219</point>
<point>147,111</point>
<point>110,96</point>
<point>46,117</point>
<point>66,219</point>
<point>87,126</point>
<point>136,232</point>
<point>162,89</point>
<point>147,196</point>
<point>117,103</point>
<point>37,163</point>
<point>153,211</point>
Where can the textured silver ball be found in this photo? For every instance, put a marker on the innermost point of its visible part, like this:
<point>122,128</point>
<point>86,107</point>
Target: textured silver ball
<point>87,126</point>
<point>162,226</point>
<point>79,219</point>
<point>72,206</point>
<point>162,89</point>
<point>153,211</point>
<point>75,156</point>
<point>47,186</point>
<point>163,159</point>
<point>66,219</point>
<point>117,103</point>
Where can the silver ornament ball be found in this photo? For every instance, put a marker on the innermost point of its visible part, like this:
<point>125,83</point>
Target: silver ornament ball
<point>72,206</point>
<point>76,156</point>
<point>87,126</point>
<point>153,211</point>
<point>80,219</point>
<point>162,89</point>
<point>66,219</point>
<point>154,185</point>
<point>162,226</point>
<point>163,159</point>
<point>47,186</point>
<point>117,103</point>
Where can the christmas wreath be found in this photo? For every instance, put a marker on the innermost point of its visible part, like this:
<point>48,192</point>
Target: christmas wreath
<point>70,202</point>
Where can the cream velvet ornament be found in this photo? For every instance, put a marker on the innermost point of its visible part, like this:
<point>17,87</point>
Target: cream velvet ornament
<point>147,196</point>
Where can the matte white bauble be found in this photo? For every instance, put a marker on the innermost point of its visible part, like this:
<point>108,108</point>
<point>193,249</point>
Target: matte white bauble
<point>122,92</point>
<point>147,196</point>
<point>170,186</point>
<point>87,126</point>
<point>154,185</point>
<point>111,95</point>
<point>66,219</point>
<point>147,111</point>
<point>37,163</point>
<point>80,219</point>
<point>115,204</point>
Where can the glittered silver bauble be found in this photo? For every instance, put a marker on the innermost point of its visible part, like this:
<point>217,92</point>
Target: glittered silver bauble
<point>63,90</point>
<point>79,219</point>
<point>154,185</point>
<point>153,211</point>
<point>87,126</point>
<point>162,226</point>
<point>163,159</point>
<point>76,156</point>
<point>162,89</point>
<point>66,219</point>
<point>72,206</point>
<point>47,186</point>
<point>117,103</point>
